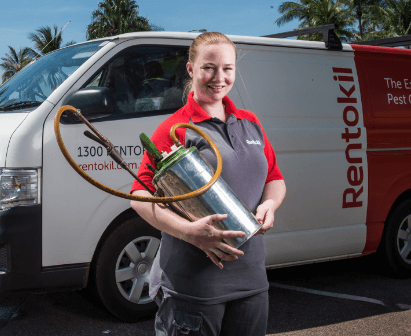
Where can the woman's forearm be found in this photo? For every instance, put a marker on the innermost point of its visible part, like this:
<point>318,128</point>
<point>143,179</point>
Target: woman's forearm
<point>160,216</point>
<point>274,192</point>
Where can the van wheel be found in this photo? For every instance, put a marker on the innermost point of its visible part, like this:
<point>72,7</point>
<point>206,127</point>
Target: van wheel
<point>397,240</point>
<point>122,269</point>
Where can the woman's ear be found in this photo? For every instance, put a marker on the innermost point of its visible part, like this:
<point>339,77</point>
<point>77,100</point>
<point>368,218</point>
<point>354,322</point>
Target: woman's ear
<point>189,69</point>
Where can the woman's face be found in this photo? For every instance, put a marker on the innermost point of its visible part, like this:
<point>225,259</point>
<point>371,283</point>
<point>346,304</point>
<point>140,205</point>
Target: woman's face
<point>213,72</point>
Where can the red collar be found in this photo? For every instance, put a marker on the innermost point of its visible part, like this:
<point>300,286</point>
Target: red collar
<point>197,114</point>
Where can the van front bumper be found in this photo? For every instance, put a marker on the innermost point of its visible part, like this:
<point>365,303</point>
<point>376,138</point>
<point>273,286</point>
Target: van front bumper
<point>21,255</point>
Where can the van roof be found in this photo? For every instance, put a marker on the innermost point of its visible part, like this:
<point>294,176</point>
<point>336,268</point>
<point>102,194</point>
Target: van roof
<point>252,40</point>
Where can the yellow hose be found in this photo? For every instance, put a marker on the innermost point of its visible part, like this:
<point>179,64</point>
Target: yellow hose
<point>114,192</point>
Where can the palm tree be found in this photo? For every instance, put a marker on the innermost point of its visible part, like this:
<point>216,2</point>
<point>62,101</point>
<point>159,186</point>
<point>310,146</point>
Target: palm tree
<point>372,22</point>
<point>313,13</point>
<point>358,9</point>
<point>115,17</point>
<point>15,61</point>
<point>294,10</point>
<point>369,16</point>
<point>45,40</point>
<point>397,17</point>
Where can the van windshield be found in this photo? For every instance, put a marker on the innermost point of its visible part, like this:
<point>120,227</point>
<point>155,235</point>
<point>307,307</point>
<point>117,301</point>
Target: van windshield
<point>33,84</point>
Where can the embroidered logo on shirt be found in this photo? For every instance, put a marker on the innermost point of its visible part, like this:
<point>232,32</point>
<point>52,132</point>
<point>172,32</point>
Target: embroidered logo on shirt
<point>253,142</point>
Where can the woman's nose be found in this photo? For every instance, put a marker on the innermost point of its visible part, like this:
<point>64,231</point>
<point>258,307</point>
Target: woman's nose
<point>218,75</point>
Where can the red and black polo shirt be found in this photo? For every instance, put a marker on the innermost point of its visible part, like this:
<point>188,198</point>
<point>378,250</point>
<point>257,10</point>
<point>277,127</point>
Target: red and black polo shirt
<point>249,163</point>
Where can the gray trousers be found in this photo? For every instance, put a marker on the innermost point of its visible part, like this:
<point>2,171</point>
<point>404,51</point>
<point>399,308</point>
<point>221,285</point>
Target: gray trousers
<point>246,317</point>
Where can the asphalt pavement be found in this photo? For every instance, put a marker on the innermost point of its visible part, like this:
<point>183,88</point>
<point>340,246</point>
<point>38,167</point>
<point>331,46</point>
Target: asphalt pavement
<point>346,297</point>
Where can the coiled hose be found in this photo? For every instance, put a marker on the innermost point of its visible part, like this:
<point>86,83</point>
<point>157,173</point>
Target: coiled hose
<point>104,140</point>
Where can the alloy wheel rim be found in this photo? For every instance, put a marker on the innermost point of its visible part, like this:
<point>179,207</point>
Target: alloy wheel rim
<point>133,269</point>
<point>404,240</point>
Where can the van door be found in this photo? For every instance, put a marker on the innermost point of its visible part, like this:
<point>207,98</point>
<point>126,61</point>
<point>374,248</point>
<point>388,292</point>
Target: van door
<point>309,104</point>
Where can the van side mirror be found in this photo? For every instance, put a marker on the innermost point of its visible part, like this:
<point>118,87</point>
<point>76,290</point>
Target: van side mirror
<point>94,102</point>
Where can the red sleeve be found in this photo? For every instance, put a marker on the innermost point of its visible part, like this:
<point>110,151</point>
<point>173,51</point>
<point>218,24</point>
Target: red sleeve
<point>161,138</point>
<point>273,170</point>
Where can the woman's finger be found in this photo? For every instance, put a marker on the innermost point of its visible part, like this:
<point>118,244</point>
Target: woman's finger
<point>215,260</point>
<point>260,231</point>
<point>268,217</point>
<point>227,249</point>
<point>230,234</point>
<point>261,213</point>
<point>222,255</point>
<point>264,228</point>
<point>216,218</point>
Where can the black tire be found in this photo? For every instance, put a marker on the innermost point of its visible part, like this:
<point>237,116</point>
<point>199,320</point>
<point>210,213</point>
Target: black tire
<point>119,283</point>
<point>396,245</point>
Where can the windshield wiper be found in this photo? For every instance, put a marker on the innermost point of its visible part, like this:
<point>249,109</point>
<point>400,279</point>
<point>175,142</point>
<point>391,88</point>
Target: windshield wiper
<point>20,105</point>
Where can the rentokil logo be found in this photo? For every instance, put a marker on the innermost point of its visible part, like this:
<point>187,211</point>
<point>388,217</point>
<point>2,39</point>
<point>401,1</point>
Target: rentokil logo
<point>253,142</point>
<point>352,134</point>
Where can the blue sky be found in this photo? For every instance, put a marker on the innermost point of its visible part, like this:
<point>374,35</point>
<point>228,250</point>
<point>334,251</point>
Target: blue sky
<point>18,18</point>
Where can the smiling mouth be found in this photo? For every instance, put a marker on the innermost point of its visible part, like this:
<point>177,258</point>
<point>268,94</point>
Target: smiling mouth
<point>213,87</point>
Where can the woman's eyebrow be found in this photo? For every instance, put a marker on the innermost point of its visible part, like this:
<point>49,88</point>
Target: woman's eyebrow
<point>210,63</point>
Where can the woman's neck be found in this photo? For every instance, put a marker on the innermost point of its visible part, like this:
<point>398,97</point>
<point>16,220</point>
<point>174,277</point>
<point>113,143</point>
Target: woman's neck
<point>214,110</point>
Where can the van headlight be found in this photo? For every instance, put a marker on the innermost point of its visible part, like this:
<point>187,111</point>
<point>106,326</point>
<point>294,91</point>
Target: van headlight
<point>19,187</point>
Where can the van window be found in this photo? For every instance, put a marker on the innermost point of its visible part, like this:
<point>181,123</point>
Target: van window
<point>33,84</point>
<point>145,79</point>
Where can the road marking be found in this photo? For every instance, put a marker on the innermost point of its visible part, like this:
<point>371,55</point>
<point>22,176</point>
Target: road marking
<point>336,295</point>
<point>403,306</point>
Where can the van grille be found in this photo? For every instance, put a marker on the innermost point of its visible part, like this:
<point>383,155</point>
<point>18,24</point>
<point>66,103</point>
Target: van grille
<point>3,258</point>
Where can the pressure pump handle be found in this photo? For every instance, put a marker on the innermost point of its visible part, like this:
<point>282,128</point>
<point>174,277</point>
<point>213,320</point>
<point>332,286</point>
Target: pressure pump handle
<point>95,138</point>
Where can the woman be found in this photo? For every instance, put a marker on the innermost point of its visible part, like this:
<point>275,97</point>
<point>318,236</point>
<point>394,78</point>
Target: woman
<point>195,297</point>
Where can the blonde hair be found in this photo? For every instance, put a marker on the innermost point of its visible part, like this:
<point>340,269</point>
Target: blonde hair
<point>203,39</point>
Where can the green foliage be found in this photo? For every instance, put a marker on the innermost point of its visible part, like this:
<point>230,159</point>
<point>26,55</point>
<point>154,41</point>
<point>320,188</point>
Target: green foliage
<point>115,17</point>
<point>45,40</point>
<point>70,43</point>
<point>387,18</point>
<point>358,20</point>
<point>14,61</point>
<point>154,27</point>
<point>313,13</point>
<point>398,17</point>
<point>365,14</point>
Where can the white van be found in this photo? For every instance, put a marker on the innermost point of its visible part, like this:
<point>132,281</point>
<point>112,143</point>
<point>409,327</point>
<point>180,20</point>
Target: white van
<point>339,122</point>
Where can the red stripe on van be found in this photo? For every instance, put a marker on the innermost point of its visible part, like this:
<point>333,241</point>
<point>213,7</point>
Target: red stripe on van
<point>380,50</point>
<point>384,76</point>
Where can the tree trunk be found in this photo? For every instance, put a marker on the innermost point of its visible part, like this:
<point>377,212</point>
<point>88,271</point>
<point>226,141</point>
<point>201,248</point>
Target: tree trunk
<point>360,23</point>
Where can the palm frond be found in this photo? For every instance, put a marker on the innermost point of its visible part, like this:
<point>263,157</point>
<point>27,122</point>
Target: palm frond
<point>113,17</point>
<point>14,61</point>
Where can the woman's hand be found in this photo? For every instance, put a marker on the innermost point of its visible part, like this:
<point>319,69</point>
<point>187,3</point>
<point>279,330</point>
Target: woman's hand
<point>204,235</point>
<point>273,196</point>
<point>265,216</point>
